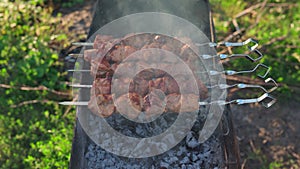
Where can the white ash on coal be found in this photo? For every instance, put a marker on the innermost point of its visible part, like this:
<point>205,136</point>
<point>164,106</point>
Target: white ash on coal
<point>189,153</point>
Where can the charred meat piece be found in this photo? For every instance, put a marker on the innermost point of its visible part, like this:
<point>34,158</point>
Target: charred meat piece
<point>173,102</point>
<point>187,54</point>
<point>171,85</point>
<point>102,105</point>
<point>188,43</point>
<point>189,103</point>
<point>150,88</point>
<point>125,69</point>
<point>104,42</point>
<point>152,45</point>
<point>182,103</point>
<point>159,73</point>
<point>149,55</point>
<point>154,103</point>
<point>121,85</point>
<point>90,54</point>
<point>100,68</point>
<point>140,86</point>
<point>146,74</point>
<point>130,105</point>
<point>121,52</point>
<point>102,85</point>
<point>138,41</point>
<point>203,91</point>
<point>158,83</point>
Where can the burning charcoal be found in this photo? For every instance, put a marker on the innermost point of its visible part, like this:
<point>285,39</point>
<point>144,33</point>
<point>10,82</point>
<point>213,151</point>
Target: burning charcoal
<point>177,157</point>
<point>185,160</point>
<point>171,159</point>
<point>191,141</point>
<point>164,165</point>
<point>190,166</point>
<point>194,158</point>
<point>181,151</point>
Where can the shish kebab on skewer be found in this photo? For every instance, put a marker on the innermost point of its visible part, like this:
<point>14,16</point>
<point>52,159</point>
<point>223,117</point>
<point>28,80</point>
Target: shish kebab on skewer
<point>116,50</point>
<point>108,53</point>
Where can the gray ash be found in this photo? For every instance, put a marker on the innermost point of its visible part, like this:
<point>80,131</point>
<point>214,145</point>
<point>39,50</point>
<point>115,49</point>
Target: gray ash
<point>188,154</point>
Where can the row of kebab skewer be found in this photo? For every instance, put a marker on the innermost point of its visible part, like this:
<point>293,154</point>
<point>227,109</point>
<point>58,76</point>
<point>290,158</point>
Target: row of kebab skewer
<point>152,89</point>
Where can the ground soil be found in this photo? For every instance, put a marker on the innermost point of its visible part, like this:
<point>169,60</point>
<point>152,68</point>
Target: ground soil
<point>267,137</point>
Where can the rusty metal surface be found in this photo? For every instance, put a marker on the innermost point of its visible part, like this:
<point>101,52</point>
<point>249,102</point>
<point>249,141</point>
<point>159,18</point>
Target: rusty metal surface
<point>230,143</point>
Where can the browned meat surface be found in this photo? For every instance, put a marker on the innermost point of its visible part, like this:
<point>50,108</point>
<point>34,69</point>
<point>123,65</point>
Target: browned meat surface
<point>154,103</point>
<point>189,103</point>
<point>120,84</point>
<point>173,102</point>
<point>171,84</point>
<point>182,103</point>
<point>103,42</point>
<point>140,86</point>
<point>120,52</point>
<point>102,105</point>
<point>102,85</point>
<point>90,54</point>
<point>158,83</point>
<point>150,90</point>
<point>131,107</point>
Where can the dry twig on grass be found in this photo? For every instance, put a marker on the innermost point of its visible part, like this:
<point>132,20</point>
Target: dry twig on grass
<point>39,88</point>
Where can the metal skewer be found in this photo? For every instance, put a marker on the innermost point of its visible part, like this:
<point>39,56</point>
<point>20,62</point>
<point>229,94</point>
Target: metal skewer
<point>80,86</point>
<point>232,72</point>
<point>82,44</point>
<point>76,55</point>
<point>220,102</point>
<point>243,86</point>
<point>74,103</point>
<point>232,44</point>
<point>83,71</point>
<point>224,56</point>
<point>244,101</point>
